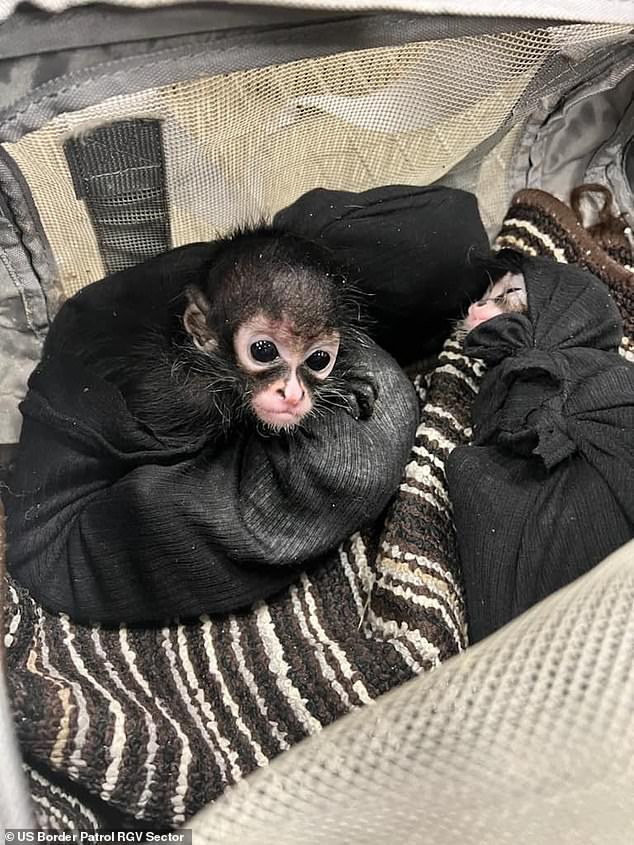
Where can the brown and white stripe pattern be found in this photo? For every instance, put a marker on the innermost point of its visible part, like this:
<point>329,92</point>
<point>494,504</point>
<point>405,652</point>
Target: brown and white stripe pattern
<point>416,567</point>
<point>539,224</point>
<point>154,723</point>
<point>56,809</point>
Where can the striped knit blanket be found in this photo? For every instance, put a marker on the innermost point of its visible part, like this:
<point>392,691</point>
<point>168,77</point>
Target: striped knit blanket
<point>140,727</point>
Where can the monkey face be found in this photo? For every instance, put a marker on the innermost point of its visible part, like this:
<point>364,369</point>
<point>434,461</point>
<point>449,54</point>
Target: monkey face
<point>506,296</point>
<point>283,368</point>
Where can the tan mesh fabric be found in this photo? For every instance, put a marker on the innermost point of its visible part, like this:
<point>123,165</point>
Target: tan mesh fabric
<point>240,146</point>
<point>489,180</point>
<point>526,738</point>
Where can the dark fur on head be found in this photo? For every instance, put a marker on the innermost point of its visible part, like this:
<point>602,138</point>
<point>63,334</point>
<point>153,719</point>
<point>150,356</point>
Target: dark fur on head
<point>280,274</point>
<point>179,388</point>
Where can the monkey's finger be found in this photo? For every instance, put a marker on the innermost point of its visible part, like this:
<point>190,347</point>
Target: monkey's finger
<point>353,407</point>
<point>365,393</point>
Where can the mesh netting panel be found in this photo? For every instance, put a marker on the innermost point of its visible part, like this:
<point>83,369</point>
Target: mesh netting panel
<point>240,146</point>
<point>526,738</point>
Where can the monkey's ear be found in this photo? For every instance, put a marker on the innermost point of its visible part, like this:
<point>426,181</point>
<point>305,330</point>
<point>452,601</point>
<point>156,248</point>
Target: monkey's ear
<point>195,320</point>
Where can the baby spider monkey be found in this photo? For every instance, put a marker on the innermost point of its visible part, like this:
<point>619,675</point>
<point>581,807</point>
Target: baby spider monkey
<point>263,331</point>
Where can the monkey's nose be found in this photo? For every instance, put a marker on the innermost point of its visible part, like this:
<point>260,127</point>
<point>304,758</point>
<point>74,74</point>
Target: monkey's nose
<point>293,391</point>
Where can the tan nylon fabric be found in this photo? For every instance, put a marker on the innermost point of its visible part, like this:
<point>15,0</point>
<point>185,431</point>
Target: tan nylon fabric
<point>241,146</point>
<point>527,738</point>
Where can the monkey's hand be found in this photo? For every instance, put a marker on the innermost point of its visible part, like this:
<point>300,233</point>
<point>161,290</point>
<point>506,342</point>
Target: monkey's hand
<point>361,392</point>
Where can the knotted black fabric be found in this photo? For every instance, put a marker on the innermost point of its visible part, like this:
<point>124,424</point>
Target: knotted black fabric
<point>545,491</point>
<point>108,522</point>
<point>413,250</point>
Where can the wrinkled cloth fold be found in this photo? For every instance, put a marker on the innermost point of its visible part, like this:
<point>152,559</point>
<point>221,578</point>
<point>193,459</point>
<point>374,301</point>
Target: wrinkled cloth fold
<point>412,250</point>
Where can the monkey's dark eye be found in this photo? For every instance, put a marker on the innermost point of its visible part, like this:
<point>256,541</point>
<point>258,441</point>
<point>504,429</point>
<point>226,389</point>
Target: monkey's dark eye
<point>501,299</point>
<point>264,351</point>
<point>318,360</point>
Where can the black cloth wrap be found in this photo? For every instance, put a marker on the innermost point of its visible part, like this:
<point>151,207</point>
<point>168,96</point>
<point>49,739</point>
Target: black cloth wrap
<point>413,250</point>
<point>108,523</point>
<point>545,491</point>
